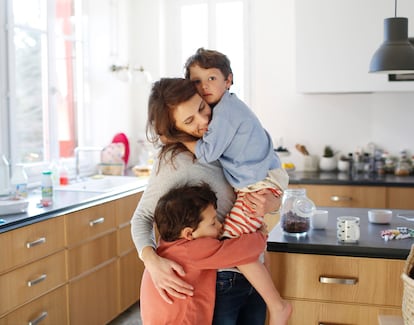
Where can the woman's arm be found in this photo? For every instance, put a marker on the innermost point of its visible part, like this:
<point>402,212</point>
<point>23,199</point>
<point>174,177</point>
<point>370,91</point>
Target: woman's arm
<point>163,271</point>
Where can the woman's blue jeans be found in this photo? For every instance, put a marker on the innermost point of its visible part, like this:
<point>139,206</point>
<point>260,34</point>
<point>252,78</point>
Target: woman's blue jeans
<point>237,302</point>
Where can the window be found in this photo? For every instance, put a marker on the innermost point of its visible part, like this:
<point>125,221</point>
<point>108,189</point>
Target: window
<point>42,80</point>
<point>213,24</point>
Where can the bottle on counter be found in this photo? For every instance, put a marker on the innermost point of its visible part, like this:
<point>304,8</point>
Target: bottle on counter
<point>47,188</point>
<point>4,176</point>
<point>18,182</point>
<point>63,175</point>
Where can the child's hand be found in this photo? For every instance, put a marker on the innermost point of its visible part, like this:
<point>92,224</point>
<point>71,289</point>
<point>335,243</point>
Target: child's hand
<point>262,202</point>
<point>263,229</point>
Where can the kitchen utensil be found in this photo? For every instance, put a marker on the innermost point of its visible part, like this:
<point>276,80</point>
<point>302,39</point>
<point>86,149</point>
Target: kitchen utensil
<point>406,218</point>
<point>302,149</point>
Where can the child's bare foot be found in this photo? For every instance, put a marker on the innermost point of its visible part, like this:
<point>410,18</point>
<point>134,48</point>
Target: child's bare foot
<point>281,317</point>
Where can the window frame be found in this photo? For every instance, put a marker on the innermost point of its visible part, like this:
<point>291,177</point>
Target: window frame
<point>171,38</point>
<point>51,139</point>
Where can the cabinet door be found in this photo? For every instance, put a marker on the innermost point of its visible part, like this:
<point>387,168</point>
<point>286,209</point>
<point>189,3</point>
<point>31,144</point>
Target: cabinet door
<point>400,198</point>
<point>131,269</point>
<point>338,278</point>
<point>346,196</point>
<point>335,41</point>
<point>93,298</point>
<point>312,312</point>
<point>125,208</point>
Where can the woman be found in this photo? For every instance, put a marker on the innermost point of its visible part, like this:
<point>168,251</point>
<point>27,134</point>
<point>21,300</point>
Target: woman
<point>236,300</point>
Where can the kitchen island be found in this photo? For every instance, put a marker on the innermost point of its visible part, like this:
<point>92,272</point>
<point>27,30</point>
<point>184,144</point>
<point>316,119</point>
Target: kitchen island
<point>332,283</point>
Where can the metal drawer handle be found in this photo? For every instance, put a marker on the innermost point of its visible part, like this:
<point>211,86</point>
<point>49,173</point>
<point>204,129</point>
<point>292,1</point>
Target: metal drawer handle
<point>330,324</point>
<point>39,241</point>
<point>41,278</point>
<point>329,280</point>
<point>37,320</point>
<point>96,221</point>
<point>337,198</point>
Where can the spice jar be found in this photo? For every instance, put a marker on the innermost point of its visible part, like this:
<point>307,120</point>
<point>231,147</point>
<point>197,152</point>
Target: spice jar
<point>295,211</point>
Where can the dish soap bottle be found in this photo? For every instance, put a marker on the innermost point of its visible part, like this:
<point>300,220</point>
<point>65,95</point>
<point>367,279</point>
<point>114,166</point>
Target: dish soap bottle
<point>19,182</point>
<point>47,188</point>
<point>4,176</point>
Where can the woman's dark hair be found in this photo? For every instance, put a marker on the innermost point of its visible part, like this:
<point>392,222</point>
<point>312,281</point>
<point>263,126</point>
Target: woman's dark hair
<point>182,207</point>
<point>166,94</point>
<point>208,59</point>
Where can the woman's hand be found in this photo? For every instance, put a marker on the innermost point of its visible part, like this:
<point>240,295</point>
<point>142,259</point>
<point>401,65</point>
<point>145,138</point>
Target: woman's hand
<point>262,202</point>
<point>166,276</point>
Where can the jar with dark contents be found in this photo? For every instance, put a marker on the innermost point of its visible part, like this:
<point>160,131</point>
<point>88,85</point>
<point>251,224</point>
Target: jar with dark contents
<point>295,212</point>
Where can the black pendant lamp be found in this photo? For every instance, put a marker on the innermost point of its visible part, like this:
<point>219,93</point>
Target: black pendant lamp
<point>396,53</point>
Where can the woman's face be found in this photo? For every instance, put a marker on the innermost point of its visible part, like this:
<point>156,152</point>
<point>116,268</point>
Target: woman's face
<point>192,116</point>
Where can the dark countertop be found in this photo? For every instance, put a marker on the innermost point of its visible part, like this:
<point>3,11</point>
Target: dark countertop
<point>63,202</point>
<point>324,242</point>
<point>336,178</point>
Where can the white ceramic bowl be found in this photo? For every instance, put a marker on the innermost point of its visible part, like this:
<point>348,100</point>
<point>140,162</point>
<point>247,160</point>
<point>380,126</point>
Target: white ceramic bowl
<point>380,216</point>
<point>12,206</point>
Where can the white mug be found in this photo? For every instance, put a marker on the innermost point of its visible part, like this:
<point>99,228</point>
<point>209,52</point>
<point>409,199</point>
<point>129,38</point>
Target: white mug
<point>347,229</point>
<point>319,219</point>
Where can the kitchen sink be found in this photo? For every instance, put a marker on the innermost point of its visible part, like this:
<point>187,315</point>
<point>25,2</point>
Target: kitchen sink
<point>104,183</point>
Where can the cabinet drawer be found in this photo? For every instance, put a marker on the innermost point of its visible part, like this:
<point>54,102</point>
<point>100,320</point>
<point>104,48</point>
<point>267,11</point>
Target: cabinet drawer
<point>29,243</point>
<point>125,208</point>
<point>31,281</point>
<point>88,255</point>
<point>400,198</point>
<point>318,313</point>
<point>88,223</point>
<point>338,278</point>
<point>346,196</point>
<point>50,309</point>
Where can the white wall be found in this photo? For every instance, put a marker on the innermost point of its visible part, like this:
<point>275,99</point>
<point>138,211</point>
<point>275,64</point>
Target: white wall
<point>345,121</point>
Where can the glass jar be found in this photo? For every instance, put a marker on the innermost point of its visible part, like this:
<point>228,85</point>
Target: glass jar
<point>295,212</point>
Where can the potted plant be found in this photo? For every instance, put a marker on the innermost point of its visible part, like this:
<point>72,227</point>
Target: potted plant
<point>328,160</point>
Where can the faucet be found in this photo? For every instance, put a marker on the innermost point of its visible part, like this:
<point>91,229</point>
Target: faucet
<point>77,162</point>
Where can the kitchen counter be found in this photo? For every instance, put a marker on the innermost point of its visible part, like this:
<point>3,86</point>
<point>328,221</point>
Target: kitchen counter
<point>324,242</point>
<point>63,202</point>
<point>336,178</point>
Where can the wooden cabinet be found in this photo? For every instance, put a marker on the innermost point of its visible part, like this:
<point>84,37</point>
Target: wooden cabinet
<point>337,289</point>
<point>346,196</point>
<point>79,268</point>
<point>400,198</point>
<point>33,274</point>
<point>130,266</point>
<point>379,197</point>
